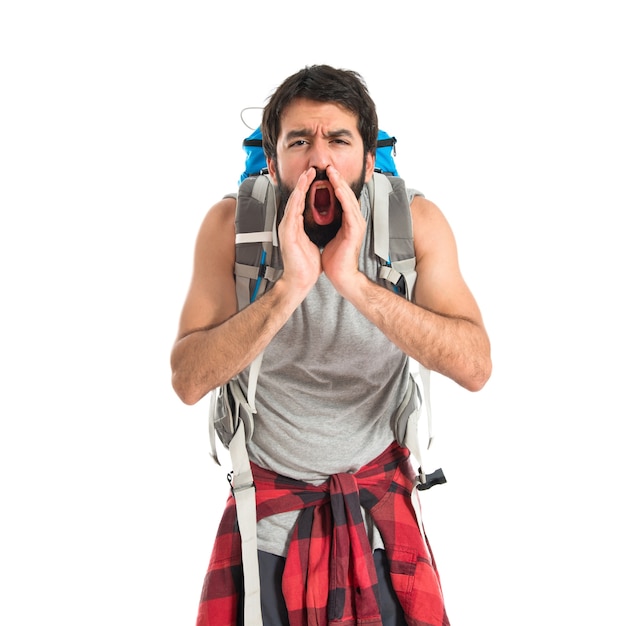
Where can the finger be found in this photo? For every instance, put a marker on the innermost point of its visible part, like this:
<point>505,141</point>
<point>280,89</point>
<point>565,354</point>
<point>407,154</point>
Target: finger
<point>298,195</point>
<point>344,192</point>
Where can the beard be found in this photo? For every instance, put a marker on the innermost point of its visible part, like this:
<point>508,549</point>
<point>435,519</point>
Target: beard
<point>319,234</point>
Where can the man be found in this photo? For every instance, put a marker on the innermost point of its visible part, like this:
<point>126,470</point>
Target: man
<point>336,367</point>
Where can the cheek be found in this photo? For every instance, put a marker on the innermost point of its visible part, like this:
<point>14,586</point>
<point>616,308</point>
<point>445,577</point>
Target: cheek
<point>288,171</point>
<point>350,167</point>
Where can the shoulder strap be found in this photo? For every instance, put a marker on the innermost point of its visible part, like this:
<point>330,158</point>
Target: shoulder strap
<point>257,258</point>
<point>393,232</point>
<point>257,267</point>
<point>394,247</point>
<point>255,223</point>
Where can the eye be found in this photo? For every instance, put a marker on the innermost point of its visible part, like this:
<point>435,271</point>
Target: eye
<point>297,143</point>
<point>341,139</point>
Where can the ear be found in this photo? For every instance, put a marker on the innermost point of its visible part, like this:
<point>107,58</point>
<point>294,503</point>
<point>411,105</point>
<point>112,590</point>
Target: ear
<point>271,168</point>
<point>369,166</point>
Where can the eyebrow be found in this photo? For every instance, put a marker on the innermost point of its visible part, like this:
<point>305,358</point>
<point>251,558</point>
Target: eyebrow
<point>306,132</point>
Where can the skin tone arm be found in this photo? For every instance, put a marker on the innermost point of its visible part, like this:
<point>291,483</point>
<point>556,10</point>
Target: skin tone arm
<point>214,341</point>
<point>443,327</point>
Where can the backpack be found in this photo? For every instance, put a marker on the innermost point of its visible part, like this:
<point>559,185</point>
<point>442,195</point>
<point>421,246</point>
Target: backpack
<point>257,267</point>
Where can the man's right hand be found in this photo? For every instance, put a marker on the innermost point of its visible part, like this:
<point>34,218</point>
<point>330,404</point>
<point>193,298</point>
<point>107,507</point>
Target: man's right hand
<point>302,261</point>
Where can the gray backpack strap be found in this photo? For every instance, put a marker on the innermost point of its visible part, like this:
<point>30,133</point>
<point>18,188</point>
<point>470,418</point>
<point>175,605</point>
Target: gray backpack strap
<point>407,427</point>
<point>394,247</point>
<point>244,492</point>
<point>256,265</point>
<point>393,232</point>
<point>232,418</point>
<point>231,412</point>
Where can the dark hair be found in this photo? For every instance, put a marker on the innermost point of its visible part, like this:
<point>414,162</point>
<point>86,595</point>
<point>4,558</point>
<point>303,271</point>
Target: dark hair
<point>322,83</point>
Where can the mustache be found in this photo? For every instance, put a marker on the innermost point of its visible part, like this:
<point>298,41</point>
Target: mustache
<point>320,175</point>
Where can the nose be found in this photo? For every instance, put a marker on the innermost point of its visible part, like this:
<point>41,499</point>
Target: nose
<point>319,155</point>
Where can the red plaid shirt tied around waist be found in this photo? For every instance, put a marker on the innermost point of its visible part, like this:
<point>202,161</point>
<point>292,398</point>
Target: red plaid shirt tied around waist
<point>329,576</point>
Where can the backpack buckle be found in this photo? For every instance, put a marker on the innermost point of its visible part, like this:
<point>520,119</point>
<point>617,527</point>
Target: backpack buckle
<point>239,488</point>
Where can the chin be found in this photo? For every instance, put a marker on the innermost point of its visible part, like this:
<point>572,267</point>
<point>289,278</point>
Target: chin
<point>321,235</point>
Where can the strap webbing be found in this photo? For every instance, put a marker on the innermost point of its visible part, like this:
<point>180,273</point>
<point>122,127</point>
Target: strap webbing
<point>253,377</point>
<point>379,189</point>
<point>212,411</point>
<point>409,436</point>
<point>243,490</point>
<point>254,237</point>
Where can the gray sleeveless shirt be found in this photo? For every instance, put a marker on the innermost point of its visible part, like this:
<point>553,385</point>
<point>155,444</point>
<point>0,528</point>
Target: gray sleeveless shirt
<point>329,384</point>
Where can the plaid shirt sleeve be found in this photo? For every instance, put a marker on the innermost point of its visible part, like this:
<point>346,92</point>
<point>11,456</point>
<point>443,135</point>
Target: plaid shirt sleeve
<point>329,575</point>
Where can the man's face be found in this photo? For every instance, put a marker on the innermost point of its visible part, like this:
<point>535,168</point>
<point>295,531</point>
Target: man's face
<point>319,134</point>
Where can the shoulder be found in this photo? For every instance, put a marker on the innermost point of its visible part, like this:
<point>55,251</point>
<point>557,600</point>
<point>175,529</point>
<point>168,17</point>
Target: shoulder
<point>427,214</point>
<point>431,229</point>
<point>220,215</point>
<point>215,241</point>
<point>422,208</point>
<point>218,224</point>
<point>211,297</point>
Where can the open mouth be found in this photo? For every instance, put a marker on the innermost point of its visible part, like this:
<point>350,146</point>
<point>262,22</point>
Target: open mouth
<point>322,203</point>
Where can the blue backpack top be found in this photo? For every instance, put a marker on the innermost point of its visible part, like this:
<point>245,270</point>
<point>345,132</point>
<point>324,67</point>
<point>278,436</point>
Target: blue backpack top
<point>256,163</point>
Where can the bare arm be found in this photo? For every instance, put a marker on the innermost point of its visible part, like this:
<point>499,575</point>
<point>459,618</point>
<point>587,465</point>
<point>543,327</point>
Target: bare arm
<point>215,341</point>
<point>442,328</point>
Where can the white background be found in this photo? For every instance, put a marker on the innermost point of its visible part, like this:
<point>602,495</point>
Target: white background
<point>120,126</point>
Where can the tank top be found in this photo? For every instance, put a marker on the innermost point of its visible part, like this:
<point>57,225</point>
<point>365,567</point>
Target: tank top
<point>329,384</point>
